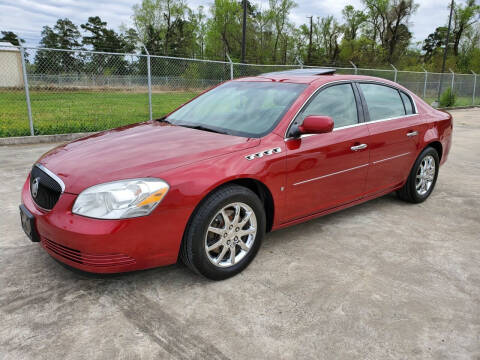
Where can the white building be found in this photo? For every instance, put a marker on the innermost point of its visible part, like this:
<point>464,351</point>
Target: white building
<point>10,66</point>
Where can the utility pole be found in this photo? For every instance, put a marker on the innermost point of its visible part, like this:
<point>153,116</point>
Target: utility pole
<point>446,50</point>
<point>244,30</point>
<point>309,57</point>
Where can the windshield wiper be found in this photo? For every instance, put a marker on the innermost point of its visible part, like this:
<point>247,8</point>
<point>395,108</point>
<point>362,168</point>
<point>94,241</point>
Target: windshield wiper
<point>164,120</point>
<point>204,128</point>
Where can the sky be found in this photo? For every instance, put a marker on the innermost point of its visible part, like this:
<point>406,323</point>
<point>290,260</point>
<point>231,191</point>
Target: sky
<point>27,17</point>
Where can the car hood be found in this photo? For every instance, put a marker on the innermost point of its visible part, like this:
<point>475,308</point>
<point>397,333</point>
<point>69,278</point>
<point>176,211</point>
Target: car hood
<point>140,150</point>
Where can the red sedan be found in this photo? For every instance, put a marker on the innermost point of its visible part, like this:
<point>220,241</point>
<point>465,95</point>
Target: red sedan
<point>249,156</point>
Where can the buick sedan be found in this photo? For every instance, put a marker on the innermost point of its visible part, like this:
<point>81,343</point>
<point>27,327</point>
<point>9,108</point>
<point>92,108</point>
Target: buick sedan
<point>206,182</point>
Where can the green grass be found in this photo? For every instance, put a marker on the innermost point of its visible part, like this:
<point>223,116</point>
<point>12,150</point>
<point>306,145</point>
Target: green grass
<point>459,101</point>
<point>79,111</point>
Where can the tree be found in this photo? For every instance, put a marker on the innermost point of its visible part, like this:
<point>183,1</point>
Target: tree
<point>100,37</point>
<point>64,35</point>
<point>433,42</point>
<point>464,17</point>
<point>12,38</point>
<point>224,28</point>
<point>353,20</point>
<point>157,23</point>
<point>279,11</point>
<point>389,20</point>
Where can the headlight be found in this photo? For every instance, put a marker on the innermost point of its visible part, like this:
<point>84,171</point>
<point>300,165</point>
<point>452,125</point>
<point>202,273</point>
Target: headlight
<point>121,199</point>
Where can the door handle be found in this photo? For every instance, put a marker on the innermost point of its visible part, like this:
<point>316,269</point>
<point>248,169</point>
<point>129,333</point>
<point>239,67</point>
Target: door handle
<point>358,147</point>
<point>412,133</point>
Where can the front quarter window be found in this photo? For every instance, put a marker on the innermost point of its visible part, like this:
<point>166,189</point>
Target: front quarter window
<point>242,108</point>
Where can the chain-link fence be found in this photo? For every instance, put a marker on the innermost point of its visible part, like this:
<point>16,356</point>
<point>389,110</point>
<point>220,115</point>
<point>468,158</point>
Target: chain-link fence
<point>53,91</point>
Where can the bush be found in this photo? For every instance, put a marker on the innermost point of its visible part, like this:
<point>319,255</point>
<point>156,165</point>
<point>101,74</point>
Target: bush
<point>448,98</point>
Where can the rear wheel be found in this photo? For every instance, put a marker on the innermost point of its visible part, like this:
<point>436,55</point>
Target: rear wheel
<point>422,178</point>
<point>225,233</point>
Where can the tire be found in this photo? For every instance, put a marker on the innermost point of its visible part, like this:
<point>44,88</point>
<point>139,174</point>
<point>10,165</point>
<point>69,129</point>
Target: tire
<point>199,237</point>
<point>410,192</point>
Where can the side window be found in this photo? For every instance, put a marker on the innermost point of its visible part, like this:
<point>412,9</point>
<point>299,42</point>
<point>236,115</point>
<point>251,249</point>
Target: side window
<point>383,101</point>
<point>338,102</point>
<point>408,103</point>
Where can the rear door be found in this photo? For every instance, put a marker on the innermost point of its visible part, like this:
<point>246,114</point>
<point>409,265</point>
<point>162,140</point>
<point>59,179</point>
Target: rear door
<point>394,132</point>
<point>328,170</point>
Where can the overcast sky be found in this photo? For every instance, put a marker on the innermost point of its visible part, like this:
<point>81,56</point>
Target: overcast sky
<point>27,17</point>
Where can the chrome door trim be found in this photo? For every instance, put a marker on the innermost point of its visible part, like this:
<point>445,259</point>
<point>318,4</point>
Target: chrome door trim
<point>354,125</point>
<point>390,158</point>
<point>324,176</point>
<point>52,175</point>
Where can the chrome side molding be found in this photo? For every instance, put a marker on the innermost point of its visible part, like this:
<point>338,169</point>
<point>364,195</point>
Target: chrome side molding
<point>263,153</point>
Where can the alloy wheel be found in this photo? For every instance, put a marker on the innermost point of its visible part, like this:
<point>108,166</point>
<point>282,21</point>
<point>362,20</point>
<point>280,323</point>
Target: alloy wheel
<point>425,175</point>
<point>230,234</point>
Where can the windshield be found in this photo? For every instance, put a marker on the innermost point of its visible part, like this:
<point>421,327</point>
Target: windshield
<point>242,108</point>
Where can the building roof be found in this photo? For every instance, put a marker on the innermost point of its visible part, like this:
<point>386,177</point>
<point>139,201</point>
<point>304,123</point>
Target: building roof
<point>6,46</point>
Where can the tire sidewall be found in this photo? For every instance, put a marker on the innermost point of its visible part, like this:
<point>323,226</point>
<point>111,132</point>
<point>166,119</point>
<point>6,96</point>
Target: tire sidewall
<point>201,221</point>
<point>428,151</point>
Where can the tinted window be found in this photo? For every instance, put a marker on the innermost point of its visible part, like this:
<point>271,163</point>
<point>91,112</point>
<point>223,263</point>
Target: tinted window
<point>336,101</point>
<point>408,103</point>
<point>383,102</point>
<point>243,108</point>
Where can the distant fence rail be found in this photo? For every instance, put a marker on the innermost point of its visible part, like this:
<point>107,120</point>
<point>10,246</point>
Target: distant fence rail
<point>49,91</point>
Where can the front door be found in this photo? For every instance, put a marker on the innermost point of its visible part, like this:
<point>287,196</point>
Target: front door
<point>328,170</point>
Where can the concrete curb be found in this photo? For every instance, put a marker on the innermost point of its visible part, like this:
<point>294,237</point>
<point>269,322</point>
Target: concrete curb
<point>40,139</point>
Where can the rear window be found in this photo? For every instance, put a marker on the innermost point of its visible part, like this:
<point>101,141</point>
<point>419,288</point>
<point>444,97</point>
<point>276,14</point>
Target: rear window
<point>383,101</point>
<point>407,101</point>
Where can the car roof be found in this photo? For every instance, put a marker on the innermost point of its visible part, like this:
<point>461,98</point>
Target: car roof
<point>313,79</point>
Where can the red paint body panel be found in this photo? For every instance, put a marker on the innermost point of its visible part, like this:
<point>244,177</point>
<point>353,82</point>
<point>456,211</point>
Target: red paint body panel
<point>316,176</point>
<point>310,177</point>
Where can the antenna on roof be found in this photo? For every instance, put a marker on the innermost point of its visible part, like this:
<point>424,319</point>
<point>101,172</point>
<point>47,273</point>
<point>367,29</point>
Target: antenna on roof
<point>302,72</point>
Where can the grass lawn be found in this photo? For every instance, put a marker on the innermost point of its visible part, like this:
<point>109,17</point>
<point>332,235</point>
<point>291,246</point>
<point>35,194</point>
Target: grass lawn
<point>79,111</point>
<point>459,101</point>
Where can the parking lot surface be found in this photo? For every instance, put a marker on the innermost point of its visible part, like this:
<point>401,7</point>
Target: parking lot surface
<point>382,280</point>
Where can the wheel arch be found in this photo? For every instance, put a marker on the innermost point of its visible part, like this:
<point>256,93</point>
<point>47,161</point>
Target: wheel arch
<point>263,192</point>
<point>255,185</point>
<point>437,145</point>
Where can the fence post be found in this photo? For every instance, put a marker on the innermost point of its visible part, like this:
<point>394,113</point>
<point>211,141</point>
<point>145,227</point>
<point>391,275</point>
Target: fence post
<point>396,71</point>
<point>27,93</point>
<point>474,86</point>
<point>354,66</point>
<point>149,80</point>
<point>299,62</point>
<point>425,84</point>
<point>231,66</point>
<point>453,77</point>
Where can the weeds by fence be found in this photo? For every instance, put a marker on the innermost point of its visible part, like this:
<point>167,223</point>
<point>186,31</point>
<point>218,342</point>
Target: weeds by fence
<point>53,91</point>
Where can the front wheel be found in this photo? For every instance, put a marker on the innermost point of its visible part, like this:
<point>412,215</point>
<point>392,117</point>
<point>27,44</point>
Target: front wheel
<point>224,233</point>
<point>422,178</point>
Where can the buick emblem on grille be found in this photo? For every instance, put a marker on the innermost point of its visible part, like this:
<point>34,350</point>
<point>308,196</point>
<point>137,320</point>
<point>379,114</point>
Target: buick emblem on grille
<point>35,187</point>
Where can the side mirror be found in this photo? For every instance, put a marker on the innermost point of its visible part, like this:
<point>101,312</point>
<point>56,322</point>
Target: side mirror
<point>314,124</point>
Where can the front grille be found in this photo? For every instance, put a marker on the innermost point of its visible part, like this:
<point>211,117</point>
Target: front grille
<point>48,189</point>
<point>97,260</point>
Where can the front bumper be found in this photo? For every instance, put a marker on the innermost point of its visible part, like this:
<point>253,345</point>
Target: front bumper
<point>107,246</point>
